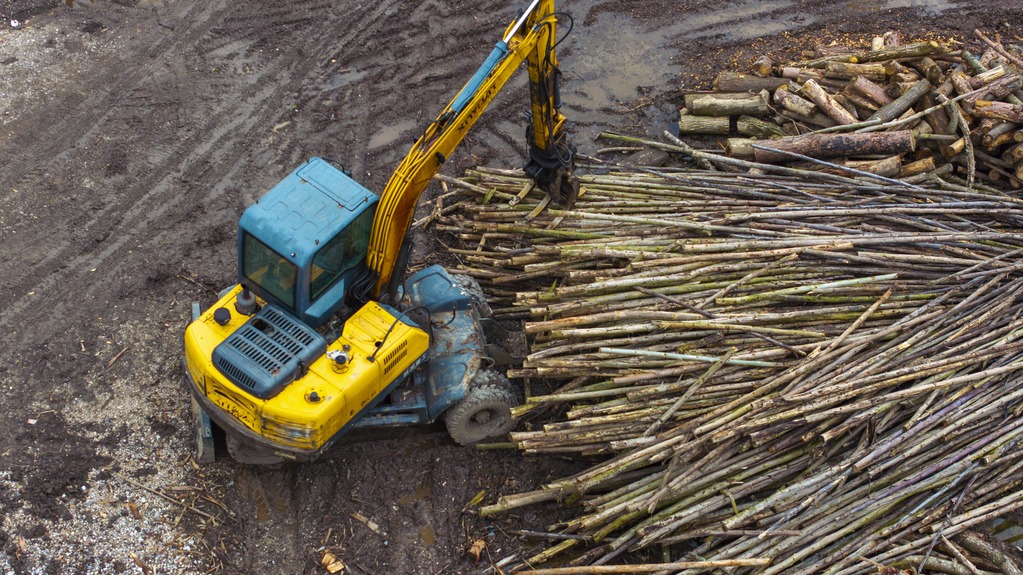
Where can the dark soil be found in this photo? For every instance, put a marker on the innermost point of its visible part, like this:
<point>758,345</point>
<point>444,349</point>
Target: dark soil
<point>126,163</point>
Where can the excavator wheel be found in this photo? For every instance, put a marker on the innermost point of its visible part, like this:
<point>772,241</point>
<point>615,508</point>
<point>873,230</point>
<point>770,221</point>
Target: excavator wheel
<point>248,455</point>
<point>476,293</point>
<point>485,411</point>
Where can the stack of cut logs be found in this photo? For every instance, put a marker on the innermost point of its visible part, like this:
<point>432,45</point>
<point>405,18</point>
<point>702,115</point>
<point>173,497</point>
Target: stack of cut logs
<point>772,373</point>
<point>892,110</point>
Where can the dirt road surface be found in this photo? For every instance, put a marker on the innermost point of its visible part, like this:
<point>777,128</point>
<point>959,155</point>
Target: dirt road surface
<point>132,135</point>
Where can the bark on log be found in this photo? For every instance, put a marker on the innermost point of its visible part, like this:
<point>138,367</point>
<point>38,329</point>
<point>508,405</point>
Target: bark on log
<point>736,82</point>
<point>907,77</point>
<point>961,83</point>
<point>790,101</point>
<point>908,51</point>
<point>858,101</point>
<point>711,105</point>
<point>847,105</point>
<point>954,149</point>
<point>993,143</point>
<point>891,167</point>
<point>891,39</point>
<point>996,552</point>
<point>919,167</point>
<point>838,145</point>
<point>999,111</point>
<point>892,67</point>
<point>816,94</point>
<point>690,124</point>
<point>689,98</point>
<point>929,70</point>
<point>846,71</point>
<point>817,119</point>
<point>740,148</point>
<point>988,139</point>
<point>897,89</point>
<point>895,108</point>
<point>937,119</point>
<point>988,76</point>
<point>762,67</point>
<point>651,157</point>
<point>750,126</point>
<point>870,90</point>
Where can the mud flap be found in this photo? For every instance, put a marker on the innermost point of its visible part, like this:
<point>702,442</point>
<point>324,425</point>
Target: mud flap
<point>205,450</point>
<point>494,333</point>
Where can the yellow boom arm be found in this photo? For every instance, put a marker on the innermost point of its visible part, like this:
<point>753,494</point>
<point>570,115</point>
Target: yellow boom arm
<point>530,38</point>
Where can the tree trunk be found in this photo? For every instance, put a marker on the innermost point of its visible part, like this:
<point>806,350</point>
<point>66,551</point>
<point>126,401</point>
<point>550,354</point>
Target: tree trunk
<point>735,82</point>
<point>909,51</point>
<point>712,105</point>
<point>750,126</point>
<point>790,101</point>
<point>740,148</point>
<point>837,145</point>
<point>895,108</point>
<point>870,90</point>
<point>690,124</point>
<point>816,119</point>
<point>846,71</point>
<point>999,111</point>
<point>890,167</point>
<point>762,67</point>
<point>919,167</point>
<point>1004,556</point>
<point>816,94</point>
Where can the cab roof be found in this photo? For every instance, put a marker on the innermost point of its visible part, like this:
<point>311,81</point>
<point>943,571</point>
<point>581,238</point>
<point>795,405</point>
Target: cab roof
<point>307,208</point>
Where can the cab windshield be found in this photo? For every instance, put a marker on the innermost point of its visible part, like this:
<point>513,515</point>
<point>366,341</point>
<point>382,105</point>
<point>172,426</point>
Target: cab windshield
<point>269,270</point>
<point>342,253</point>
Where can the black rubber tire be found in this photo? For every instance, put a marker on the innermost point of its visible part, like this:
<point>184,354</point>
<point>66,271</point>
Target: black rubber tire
<point>476,293</point>
<point>248,455</point>
<point>484,412</point>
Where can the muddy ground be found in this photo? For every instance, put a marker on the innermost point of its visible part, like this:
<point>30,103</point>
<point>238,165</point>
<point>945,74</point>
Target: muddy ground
<point>132,135</point>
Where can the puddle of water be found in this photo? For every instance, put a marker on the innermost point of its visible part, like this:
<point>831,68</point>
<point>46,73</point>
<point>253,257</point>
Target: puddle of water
<point>930,6</point>
<point>426,487</point>
<point>346,77</point>
<point>420,494</point>
<point>427,536</point>
<point>609,59</point>
<point>391,134</point>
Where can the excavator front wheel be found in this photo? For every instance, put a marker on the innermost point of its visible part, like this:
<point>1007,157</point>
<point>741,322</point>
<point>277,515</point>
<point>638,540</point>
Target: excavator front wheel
<point>485,411</point>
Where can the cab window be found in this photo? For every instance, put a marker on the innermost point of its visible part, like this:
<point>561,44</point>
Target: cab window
<point>269,270</point>
<point>340,254</point>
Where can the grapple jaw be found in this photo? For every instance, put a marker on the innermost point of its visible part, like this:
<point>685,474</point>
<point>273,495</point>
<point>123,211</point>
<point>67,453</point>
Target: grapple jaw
<point>552,170</point>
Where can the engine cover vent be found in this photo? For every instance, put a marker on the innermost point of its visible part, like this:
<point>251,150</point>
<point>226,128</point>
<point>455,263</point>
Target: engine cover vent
<point>268,352</point>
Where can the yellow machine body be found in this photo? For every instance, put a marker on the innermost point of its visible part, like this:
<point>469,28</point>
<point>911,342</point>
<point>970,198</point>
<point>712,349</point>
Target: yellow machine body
<point>303,418</point>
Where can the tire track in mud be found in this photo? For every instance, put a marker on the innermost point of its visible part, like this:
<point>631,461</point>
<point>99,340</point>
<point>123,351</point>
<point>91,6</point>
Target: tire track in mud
<point>147,217</point>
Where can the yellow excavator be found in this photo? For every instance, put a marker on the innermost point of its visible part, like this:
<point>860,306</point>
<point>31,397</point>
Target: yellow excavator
<point>321,334</point>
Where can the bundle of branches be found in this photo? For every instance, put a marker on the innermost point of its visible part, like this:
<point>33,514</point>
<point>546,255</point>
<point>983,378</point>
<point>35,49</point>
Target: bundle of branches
<point>796,376</point>
<point>892,109</point>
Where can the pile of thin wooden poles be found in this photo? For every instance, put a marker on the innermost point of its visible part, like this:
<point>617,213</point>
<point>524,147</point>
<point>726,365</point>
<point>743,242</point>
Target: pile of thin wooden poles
<point>819,375</point>
<point>893,109</point>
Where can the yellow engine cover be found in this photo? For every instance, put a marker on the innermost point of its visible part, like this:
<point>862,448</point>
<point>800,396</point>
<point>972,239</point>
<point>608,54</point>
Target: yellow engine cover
<point>311,410</point>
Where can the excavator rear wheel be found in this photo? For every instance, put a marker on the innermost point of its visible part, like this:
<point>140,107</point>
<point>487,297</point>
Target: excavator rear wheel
<point>485,411</point>
<point>248,455</point>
